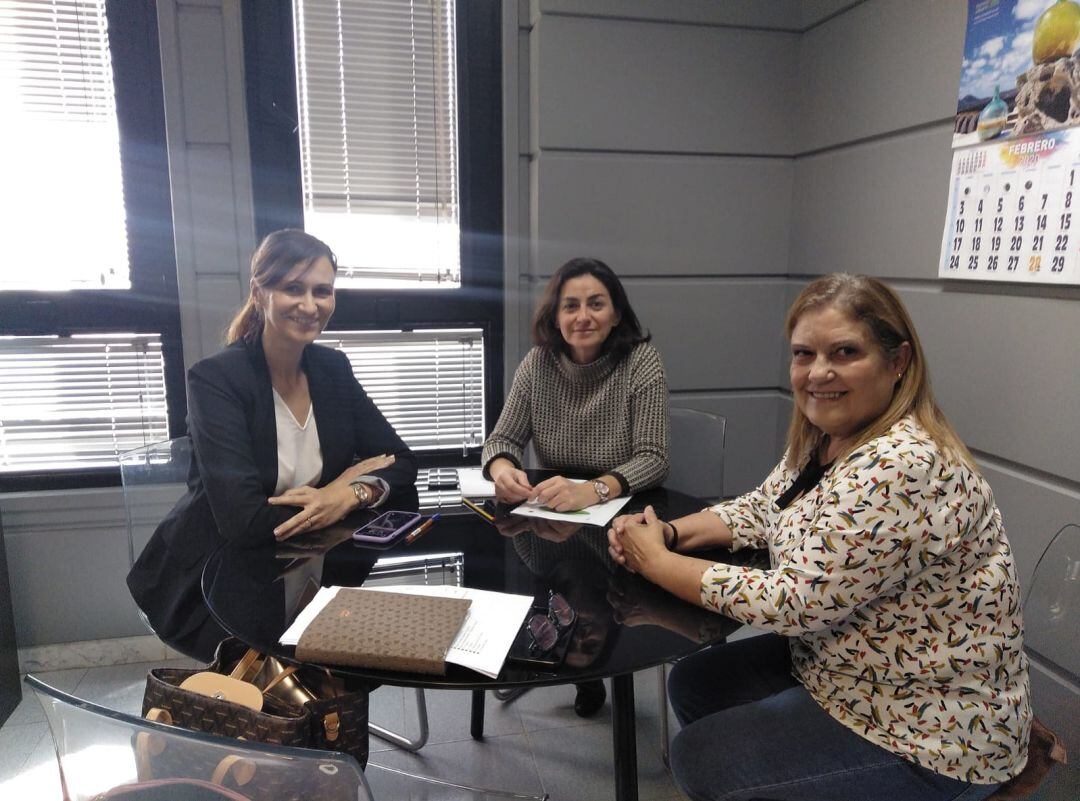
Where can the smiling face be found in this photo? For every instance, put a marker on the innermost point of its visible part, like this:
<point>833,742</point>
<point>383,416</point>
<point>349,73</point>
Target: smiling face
<point>297,309</point>
<point>840,376</point>
<point>586,316</point>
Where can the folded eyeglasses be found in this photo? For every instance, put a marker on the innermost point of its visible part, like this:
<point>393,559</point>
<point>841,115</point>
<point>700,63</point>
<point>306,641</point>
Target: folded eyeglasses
<point>545,630</point>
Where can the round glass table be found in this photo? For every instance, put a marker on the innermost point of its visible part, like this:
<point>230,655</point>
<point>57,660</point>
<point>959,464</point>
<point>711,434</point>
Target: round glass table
<point>624,623</point>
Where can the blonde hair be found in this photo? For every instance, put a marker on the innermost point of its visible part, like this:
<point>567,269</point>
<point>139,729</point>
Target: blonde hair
<point>272,260</point>
<point>880,309</point>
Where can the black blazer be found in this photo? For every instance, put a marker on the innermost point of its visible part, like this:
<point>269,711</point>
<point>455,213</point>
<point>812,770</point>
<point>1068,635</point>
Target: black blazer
<point>232,426</point>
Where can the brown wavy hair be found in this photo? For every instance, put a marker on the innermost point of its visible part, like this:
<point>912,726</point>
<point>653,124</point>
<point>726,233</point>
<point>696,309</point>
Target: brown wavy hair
<point>880,309</point>
<point>272,260</point>
<point>545,326</point>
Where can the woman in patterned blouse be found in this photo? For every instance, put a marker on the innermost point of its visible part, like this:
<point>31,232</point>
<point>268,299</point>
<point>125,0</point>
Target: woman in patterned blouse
<point>895,664</point>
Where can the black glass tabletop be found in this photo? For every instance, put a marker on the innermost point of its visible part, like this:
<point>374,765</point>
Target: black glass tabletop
<point>623,623</point>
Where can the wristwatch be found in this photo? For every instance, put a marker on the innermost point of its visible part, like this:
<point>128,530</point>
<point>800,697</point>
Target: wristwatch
<point>363,493</point>
<point>602,490</point>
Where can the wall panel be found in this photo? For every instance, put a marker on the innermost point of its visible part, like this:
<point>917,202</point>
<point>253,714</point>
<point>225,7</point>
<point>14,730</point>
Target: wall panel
<point>713,334</point>
<point>202,67</point>
<point>781,14</point>
<point>618,85</point>
<point>876,208</point>
<point>214,215</point>
<point>68,556</point>
<point>1033,510</point>
<point>1003,374</point>
<point>673,215</point>
<point>881,67</point>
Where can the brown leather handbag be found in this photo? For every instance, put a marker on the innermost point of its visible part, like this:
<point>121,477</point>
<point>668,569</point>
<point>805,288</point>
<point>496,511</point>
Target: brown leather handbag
<point>303,707</point>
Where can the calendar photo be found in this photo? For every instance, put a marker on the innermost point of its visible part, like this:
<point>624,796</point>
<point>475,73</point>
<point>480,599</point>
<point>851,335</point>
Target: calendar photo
<point>1021,70</point>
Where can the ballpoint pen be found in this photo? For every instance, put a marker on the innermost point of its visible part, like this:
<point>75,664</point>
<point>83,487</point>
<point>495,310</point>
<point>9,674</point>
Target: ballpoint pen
<point>420,530</point>
<point>478,510</point>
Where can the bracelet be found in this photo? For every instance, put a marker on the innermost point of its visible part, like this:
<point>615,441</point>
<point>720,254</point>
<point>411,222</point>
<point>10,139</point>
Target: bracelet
<point>674,537</point>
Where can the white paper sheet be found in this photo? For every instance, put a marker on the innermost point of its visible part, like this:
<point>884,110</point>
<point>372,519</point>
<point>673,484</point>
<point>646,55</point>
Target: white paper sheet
<point>472,483</point>
<point>598,515</point>
<point>482,642</point>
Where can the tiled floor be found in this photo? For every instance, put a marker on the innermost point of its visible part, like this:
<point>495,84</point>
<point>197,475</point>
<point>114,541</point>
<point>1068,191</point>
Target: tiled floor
<point>534,744</point>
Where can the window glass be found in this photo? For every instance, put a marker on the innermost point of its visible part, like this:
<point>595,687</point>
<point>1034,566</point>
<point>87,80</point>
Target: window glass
<point>429,384</point>
<point>59,149</point>
<point>79,401</point>
<point>377,107</point>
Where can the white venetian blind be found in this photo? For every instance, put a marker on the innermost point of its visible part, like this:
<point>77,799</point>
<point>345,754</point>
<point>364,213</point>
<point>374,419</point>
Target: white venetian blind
<point>59,149</point>
<point>377,101</point>
<point>79,401</point>
<point>429,384</point>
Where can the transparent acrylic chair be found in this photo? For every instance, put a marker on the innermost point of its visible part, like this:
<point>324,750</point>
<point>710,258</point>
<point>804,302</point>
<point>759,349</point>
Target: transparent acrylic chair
<point>99,749</point>
<point>697,468</point>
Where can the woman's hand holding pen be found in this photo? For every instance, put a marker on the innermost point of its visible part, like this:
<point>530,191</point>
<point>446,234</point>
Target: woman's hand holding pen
<point>511,484</point>
<point>563,495</point>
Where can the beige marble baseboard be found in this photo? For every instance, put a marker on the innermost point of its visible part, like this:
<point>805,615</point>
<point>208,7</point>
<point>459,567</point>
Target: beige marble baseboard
<point>94,653</point>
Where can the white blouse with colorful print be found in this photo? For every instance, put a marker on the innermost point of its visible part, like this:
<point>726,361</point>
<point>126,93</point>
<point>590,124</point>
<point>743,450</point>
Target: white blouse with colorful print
<point>896,584</point>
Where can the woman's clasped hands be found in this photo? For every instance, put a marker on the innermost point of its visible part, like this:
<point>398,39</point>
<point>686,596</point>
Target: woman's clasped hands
<point>324,506</point>
<point>637,540</point>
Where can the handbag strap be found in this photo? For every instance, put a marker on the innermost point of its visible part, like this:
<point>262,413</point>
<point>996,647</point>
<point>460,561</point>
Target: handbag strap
<point>246,662</point>
<point>280,677</point>
<point>243,770</point>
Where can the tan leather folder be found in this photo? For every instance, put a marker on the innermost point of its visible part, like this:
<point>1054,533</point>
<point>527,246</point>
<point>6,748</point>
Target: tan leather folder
<point>384,631</point>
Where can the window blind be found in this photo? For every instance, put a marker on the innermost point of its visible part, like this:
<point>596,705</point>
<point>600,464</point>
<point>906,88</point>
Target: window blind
<point>377,100</point>
<point>59,149</point>
<point>429,384</point>
<point>79,401</point>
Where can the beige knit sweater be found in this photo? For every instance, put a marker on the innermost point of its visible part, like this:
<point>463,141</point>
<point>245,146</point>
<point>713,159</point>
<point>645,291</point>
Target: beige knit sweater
<point>592,419</point>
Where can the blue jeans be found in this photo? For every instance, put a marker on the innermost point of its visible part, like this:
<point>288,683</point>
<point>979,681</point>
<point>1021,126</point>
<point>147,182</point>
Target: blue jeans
<point>751,731</point>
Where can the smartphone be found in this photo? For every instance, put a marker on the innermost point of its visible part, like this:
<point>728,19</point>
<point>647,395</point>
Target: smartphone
<point>387,527</point>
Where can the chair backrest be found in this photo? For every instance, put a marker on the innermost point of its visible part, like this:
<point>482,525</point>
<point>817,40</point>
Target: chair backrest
<point>99,749</point>
<point>697,453</point>
<point>1052,606</point>
<point>154,477</point>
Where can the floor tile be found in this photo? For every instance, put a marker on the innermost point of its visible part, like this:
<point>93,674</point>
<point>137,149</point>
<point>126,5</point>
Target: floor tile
<point>29,710</point>
<point>450,716</point>
<point>504,763</point>
<point>553,707</point>
<point>118,687</point>
<point>576,763</point>
<point>40,777</point>
<point>17,742</point>
<point>386,707</point>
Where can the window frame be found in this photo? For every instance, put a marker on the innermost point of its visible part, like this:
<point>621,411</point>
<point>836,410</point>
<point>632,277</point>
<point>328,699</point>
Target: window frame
<point>151,305</point>
<point>269,63</point>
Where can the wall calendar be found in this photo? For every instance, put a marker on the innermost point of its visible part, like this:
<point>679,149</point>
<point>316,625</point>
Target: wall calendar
<point>1014,188</point>
<point>1014,211</point>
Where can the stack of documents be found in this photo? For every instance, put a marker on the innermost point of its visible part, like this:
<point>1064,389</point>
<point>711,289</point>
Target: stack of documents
<point>481,643</point>
<point>472,483</point>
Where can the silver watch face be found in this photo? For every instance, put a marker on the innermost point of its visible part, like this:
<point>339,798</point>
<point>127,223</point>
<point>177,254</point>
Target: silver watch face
<point>602,490</point>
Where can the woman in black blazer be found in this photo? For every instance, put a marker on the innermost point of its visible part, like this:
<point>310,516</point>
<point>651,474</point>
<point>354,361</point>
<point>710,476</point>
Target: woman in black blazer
<point>257,472</point>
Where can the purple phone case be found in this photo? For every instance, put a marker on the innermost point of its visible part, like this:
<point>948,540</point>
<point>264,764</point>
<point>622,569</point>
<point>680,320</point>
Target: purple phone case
<point>381,531</point>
